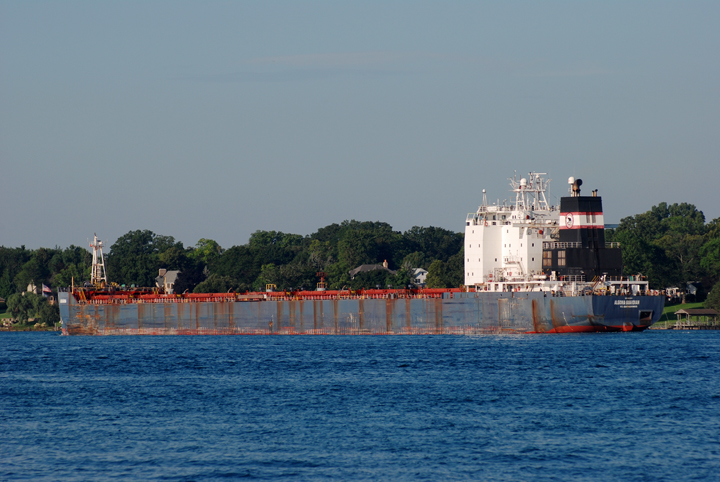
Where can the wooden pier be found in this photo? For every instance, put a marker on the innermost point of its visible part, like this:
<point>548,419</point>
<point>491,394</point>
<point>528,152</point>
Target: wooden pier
<point>696,319</point>
<point>695,325</point>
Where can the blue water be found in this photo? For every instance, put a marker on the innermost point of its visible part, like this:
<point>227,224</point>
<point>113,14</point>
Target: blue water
<point>628,406</point>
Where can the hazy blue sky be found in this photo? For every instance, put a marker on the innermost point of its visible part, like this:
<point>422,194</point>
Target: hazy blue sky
<point>216,119</point>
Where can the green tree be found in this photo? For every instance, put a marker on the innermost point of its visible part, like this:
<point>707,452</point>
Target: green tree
<point>372,280</point>
<point>135,258</point>
<point>239,262</point>
<point>417,259</point>
<point>218,284</point>
<point>446,275</point>
<point>712,229</point>
<point>402,278</point>
<point>320,254</point>
<point>11,263</point>
<point>31,272</point>
<point>663,243</point>
<point>21,306</point>
<point>433,242</point>
<point>69,276</point>
<point>357,249</point>
<point>24,306</point>
<point>72,265</point>
<point>7,287</point>
<point>684,251</point>
<point>713,298</point>
<point>206,251</point>
<point>47,313</point>
<point>454,270</point>
<point>269,274</point>
<point>710,257</point>
<point>436,275</point>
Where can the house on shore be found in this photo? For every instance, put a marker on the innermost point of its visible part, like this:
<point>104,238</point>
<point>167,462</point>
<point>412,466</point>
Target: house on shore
<point>166,280</point>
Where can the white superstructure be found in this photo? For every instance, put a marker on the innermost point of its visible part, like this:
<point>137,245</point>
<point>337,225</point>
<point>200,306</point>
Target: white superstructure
<point>504,241</point>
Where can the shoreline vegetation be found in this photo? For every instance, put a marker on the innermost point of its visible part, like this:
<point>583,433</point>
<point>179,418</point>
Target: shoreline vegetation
<point>17,328</point>
<point>9,324</point>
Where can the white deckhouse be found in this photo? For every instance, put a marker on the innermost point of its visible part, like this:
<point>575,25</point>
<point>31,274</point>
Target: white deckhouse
<point>504,242</point>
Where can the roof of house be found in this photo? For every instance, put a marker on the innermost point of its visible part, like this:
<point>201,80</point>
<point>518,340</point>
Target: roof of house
<point>368,267</point>
<point>169,278</point>
<point>698,312</point>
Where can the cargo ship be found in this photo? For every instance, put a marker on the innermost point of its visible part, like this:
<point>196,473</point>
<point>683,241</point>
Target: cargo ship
<point>529,268</point>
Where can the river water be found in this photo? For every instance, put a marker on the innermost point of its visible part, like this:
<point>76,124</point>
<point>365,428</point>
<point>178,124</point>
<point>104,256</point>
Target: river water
<point>624,406</point>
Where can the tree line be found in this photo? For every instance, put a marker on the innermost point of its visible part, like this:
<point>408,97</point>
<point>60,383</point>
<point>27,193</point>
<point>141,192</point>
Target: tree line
<point>292,261</point>
<point>670,244</point>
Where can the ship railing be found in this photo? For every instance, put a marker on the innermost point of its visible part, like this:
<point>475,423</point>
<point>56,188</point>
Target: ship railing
<point>560,245</point>
<point>613,278</point>
<point>578,278</point>
<point>612,245</point>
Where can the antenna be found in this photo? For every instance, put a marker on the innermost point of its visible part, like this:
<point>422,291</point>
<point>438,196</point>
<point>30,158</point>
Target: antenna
<point>98,276</point>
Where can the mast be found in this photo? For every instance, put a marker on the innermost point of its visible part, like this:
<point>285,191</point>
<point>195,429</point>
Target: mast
<point>98,276</point>
<point>530,192</point>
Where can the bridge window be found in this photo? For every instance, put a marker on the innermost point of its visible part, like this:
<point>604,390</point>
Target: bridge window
<point>561,257</point>
<point>547,259</point>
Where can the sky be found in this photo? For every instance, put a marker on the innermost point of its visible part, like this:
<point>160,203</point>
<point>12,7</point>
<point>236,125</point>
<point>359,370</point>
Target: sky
<point>217,119</point>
